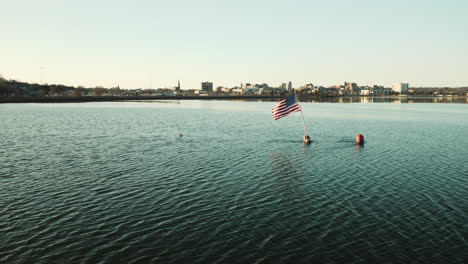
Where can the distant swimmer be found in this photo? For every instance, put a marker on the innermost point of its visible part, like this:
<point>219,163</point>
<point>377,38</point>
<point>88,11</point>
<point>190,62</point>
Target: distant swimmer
<point>180,135</point>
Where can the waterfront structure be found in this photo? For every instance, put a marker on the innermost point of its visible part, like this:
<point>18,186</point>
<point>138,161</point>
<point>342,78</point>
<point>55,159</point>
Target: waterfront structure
<point>375,90</point>
<point>401,88</point>
<point>351,87</point>
<point>237,91</point>
<point>283,87</point>
<point>201,92</point>
<point>251,89</point>
<point>207,86</point>
<point>365,91</point>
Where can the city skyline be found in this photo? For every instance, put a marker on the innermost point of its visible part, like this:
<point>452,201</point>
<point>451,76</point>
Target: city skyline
<point>152,44</point>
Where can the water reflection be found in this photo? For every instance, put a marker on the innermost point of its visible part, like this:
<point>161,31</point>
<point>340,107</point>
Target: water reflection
<point>359,146</point>
<point>156,101</point>
<point>389,99</point>
<point>286,175</point>
<point>358,149</point>
<point>283,171</point>
<point>338,99</point>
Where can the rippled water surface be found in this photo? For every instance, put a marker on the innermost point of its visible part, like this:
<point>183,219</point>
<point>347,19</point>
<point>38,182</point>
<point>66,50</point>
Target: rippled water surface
<point>114,183</point>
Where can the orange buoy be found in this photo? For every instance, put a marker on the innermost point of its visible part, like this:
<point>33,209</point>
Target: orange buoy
<point>360,139</point>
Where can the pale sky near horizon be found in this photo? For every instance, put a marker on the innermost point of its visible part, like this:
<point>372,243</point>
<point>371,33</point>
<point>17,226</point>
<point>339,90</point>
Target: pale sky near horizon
<point>143,43</point>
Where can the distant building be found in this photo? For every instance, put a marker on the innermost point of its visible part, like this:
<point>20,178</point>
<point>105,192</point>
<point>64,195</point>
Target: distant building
<point>263,85</point>
<point>201,92</point>
<point>237,91</point>
<point>251,89</point>
<point>365,91</point>
<point>290,86</point>
<point>401,88</point>
<point>351,87</point>
<point>178,86</point>
<point>283,86</point>
<point>207,86</point>
<point>248,86</point>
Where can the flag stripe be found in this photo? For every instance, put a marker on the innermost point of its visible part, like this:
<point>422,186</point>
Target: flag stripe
<point>286,107</point>
<point>280,110</point>
<point>278,117</point>
<point>292,108</point>
<point>280,107</point>
<point>290,111</point>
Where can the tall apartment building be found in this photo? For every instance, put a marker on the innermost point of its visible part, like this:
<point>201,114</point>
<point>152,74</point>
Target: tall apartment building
<point>207,86</point>
<point>401,88</point>
<point>283,86</point>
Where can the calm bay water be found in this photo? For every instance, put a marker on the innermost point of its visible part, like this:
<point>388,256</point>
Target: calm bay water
<point>114,183</point>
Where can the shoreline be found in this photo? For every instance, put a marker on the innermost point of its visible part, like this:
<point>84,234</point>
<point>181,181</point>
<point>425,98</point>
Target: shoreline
<point>338,99</point>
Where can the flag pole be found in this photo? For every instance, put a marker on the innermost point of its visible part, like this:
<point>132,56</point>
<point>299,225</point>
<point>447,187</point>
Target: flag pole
<point>303,121</point>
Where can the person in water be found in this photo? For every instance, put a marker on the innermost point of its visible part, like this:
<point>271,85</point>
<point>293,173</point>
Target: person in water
<point>180,135</point>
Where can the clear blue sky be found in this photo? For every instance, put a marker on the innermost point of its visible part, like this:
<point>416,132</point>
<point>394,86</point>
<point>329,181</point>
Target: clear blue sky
<point>155,43</point>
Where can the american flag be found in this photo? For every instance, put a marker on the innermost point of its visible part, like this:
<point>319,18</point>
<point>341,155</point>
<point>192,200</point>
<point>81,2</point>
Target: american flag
<point>286,106</point>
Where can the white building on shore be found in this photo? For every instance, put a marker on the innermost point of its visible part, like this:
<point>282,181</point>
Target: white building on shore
<point>401,88</point>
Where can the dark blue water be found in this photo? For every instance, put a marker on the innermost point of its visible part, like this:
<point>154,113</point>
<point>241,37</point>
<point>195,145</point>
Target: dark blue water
<point>114,183</point>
